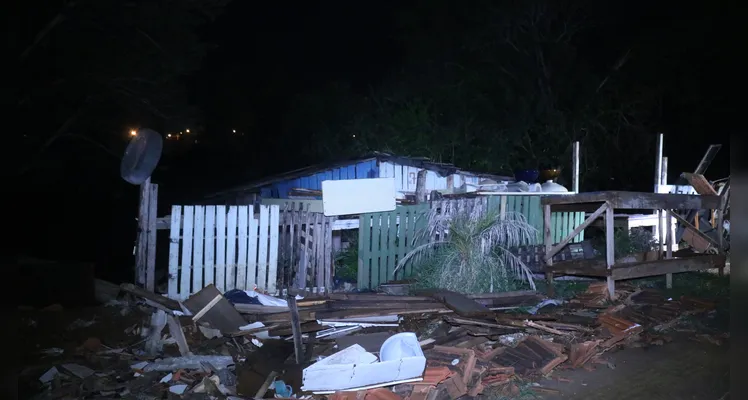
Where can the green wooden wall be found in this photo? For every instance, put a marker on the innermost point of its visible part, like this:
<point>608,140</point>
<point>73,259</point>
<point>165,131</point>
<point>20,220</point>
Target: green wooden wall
<point>562,223</point>
<point>383,241</point>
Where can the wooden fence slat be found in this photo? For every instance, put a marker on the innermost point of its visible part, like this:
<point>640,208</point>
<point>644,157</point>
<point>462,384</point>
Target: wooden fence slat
<point>292,248</point>
<point>535,216</point>
<point>174,236</point>
<point>308,249</point>
<point>221,248</point>
<point>241,259</point>
<point>413,221</point>
<point>210,242</point>
<point>331,254</point>
<point>376,250</point>
<point>283,245</point>
<point>321,267</point>
<point>197,247</point>
<point>184,287</point>
<point>262,251</point>
<point>231,230</point>
<point>273,256</point>
<point>251,279</point>
<point>316,241</point>
<point>364,243</point>
<point>391,248</point>
<point>402,216</point>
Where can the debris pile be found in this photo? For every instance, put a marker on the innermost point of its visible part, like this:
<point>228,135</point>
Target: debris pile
<point>438,345</point>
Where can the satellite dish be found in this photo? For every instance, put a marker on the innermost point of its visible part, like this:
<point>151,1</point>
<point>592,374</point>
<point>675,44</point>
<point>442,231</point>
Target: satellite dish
<point>141,156</point>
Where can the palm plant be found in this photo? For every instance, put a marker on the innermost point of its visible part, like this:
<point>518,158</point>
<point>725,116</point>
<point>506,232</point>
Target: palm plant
<point>475,256</point>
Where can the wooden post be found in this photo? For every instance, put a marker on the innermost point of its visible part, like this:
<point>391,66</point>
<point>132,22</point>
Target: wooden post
<point>724,199</point>
<point>548,240</point>
<point>661,213</point>
<point>669,251</point>
<point>150,276</point>
<point>141,257</point>
<point>575,167</point>
<point>610,249</point>
<point>658,163</point>
<point>421,186</point>
<point>657,182</point>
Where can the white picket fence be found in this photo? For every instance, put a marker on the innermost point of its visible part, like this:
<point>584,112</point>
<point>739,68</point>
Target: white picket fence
<point>226,246</point>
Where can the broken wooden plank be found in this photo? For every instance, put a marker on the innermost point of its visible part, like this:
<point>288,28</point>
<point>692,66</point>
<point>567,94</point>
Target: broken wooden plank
<point>212,308</point>
<point>287,330</point>
<point>700,184</point>
<point>259,309</point>
<point>296,328</point>
<point>148,295</point>
<point>175,329</point>
<point>711,152</point>
<point>375,297</point>
<point>309,351</point>
<point>542,327</point>
<point>581,353</point>
<point>461,304</point>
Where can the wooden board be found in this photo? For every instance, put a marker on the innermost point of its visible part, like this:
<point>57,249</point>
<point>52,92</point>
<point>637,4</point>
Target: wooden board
<point>668,266</point>
<point>461,304</point>
<point>222,315</point>
<point>638,269</point>
<point>358,196</point>
<point>700,184</point>
<point>635,200</point>
<point>371,342</point>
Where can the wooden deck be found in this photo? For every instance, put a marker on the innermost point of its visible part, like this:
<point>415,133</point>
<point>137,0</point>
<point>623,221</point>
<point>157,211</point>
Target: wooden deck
<point>603,205</point>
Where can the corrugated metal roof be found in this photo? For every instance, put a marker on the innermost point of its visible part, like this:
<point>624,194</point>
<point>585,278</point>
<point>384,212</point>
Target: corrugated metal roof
<point>366,166</point>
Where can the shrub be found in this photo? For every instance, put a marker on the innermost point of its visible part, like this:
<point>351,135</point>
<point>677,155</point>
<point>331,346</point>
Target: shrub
<point>475,256</point>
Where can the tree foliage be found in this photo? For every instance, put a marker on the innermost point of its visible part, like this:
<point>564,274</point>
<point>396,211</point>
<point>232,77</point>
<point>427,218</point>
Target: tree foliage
<point>509,85</point>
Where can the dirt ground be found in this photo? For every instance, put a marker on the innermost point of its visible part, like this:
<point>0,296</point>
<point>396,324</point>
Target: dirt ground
<point>682,369</point>
<point>55,335</point>
<point>688,367</point>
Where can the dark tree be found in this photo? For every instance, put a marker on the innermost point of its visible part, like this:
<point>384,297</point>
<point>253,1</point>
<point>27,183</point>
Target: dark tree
<point>91,71</point>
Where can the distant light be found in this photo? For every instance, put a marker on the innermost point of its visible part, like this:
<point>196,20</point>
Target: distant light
<point>168,135</point>
<point>187,130</point>
<point>354,135</point>
<point>133,132</point>
<point>180,133</point>
<point>233,130</point>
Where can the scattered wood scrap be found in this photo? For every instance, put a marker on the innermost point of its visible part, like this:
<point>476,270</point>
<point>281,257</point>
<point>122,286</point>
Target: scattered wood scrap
<point>581,353</point>
<point>471,342</point>
<point>532,354</point>
<point>208,305</point>
<point>461,304</point>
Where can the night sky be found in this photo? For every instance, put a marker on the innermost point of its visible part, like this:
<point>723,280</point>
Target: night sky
<point>240,65</point>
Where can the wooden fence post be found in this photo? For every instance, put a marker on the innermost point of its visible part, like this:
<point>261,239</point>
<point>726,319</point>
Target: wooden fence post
<point>145,257</point>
